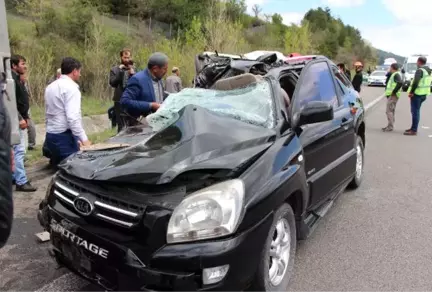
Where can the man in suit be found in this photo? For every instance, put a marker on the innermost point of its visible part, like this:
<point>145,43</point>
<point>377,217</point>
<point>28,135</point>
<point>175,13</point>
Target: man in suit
<point>144,92</point>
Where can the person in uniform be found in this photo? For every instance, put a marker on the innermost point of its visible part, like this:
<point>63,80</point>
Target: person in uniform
<point>392,92</point>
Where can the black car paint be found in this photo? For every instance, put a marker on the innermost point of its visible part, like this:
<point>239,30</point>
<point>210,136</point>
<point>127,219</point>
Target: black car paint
<point>274,173</point>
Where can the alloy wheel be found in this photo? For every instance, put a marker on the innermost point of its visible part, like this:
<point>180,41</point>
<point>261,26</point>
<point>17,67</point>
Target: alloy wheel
<point>279,252</point>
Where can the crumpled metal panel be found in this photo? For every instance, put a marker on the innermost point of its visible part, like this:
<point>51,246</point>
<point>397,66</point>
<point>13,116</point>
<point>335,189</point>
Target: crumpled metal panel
<point>195,129</point>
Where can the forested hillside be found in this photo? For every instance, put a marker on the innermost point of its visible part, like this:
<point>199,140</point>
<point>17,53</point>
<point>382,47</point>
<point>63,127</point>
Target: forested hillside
<point>382,55</point>
<point>94,31</point>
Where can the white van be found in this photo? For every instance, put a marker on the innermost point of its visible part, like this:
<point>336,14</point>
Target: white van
<point>6,81</point>
<point>410,67</point>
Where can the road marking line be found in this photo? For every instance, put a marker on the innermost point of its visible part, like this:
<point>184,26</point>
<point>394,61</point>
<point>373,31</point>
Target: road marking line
<point>374,102</point>
<point>66,282</point>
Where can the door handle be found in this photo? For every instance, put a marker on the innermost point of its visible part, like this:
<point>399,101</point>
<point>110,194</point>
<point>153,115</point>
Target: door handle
<point>345,122</point>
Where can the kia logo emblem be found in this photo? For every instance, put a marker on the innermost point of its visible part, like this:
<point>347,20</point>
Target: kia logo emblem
<point>83,206</point>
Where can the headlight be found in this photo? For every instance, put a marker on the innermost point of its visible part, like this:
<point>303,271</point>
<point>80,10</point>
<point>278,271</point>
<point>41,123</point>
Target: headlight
<point>208,213</point>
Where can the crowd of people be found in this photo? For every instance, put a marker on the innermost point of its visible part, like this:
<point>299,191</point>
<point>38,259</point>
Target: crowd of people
<point>418,90</point>
<point>135,94</point>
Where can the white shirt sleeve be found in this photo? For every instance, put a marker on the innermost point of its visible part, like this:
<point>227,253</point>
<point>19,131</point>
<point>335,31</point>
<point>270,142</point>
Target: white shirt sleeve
<point>73,113</point>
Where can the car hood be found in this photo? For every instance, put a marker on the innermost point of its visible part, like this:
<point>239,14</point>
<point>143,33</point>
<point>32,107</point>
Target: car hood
<point>197,140</point>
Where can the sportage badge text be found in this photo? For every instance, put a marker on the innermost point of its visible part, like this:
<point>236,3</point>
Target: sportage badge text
<point>75,239</point>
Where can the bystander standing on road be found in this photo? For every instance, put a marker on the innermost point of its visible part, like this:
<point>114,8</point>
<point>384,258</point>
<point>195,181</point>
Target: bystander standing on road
<point>6,171</point>
<point>144,92</point>
<point>19,67</point>
<point>173,83</point>
<point>392,92</point>
<point>31,129</point>
<point>64,129</point>
<point>358,77</point>
<point>119,76</point>
<point>344,70</point>
<point>419,89</point>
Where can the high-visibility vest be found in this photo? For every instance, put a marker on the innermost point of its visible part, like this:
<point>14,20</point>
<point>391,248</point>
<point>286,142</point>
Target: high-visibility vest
<point>424,86</point>
<point>391,85</point>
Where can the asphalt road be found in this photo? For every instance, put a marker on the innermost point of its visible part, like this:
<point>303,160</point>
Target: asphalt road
<point>376,238</point>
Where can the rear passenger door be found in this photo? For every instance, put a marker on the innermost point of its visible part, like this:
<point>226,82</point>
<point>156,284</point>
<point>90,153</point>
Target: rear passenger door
<point>324,143</point>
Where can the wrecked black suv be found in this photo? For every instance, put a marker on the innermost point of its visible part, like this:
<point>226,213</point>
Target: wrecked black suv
<point>213,190</point>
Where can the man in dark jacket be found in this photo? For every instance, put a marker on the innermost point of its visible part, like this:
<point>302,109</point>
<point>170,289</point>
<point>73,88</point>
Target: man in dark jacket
<point>118,79</point>
<point>19,67</point>
<point>358,77</point>
<point>343,69</point>
<point>6,205</point>
<point>417,92</point>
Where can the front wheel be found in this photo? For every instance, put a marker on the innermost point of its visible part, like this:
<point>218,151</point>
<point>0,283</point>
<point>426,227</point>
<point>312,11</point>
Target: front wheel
<point>277,258</point>
<point>358,177</point>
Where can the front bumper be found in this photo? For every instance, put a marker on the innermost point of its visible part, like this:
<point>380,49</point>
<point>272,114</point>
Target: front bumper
<point>177,267</point>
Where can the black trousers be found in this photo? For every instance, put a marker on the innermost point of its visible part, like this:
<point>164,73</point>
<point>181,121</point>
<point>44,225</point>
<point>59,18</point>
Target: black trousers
<point>118,116</point>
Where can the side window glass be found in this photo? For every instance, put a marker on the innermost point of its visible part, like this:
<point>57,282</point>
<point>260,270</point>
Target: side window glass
<point>317,85</point>
<point>342,77</point>
<point>341,86</point>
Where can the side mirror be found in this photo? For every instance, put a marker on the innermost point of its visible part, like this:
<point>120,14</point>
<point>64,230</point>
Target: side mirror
<point>403,71</point>
<point>315,112</point>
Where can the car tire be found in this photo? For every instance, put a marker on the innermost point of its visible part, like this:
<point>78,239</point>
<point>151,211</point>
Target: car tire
<point>282,229</point>
<point>358,176</point>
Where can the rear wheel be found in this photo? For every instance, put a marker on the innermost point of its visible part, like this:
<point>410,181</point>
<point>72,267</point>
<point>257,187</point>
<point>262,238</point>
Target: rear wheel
<point>277,258</point>
<point>358,177</point>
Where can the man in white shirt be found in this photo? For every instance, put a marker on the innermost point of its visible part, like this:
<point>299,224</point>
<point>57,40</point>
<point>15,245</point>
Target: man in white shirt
<point>64,130</point>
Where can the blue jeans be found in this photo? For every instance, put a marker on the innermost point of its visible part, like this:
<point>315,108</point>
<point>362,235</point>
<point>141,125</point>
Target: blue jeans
<point>416,102</point>
<point>19,175</point>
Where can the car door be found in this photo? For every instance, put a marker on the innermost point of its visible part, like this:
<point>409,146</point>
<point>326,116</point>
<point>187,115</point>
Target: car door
<point>346,114</point>
<point>324,156</point>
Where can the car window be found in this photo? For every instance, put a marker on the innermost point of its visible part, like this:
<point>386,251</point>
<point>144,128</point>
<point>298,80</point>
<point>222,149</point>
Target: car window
<point>342,86</point>
<point>317,85</point>
<point>379,73</point>
<point>342,77</point>
<point>251,104</point>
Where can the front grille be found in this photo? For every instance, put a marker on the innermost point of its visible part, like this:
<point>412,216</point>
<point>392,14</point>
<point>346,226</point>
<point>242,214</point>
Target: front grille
<point>106,208</point>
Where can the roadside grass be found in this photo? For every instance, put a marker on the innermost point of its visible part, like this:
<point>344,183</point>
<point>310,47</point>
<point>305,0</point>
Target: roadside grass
<point>35,156</point>
<point>89,107</point>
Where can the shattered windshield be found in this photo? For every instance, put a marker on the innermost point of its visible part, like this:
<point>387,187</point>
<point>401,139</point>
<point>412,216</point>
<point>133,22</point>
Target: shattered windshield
<point>251,104</point>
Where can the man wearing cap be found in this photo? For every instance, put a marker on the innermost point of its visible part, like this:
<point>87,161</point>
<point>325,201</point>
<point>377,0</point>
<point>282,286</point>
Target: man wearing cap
<point>144,91</point>
<point>173,82</point>
<point>392,92</point>
<point>358,77</point>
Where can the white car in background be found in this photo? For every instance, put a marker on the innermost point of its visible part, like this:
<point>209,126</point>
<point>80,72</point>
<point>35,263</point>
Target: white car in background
<point>377,78</point>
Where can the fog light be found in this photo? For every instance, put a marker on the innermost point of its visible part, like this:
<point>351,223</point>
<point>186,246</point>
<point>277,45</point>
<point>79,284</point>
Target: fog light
<point>214,275</point>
